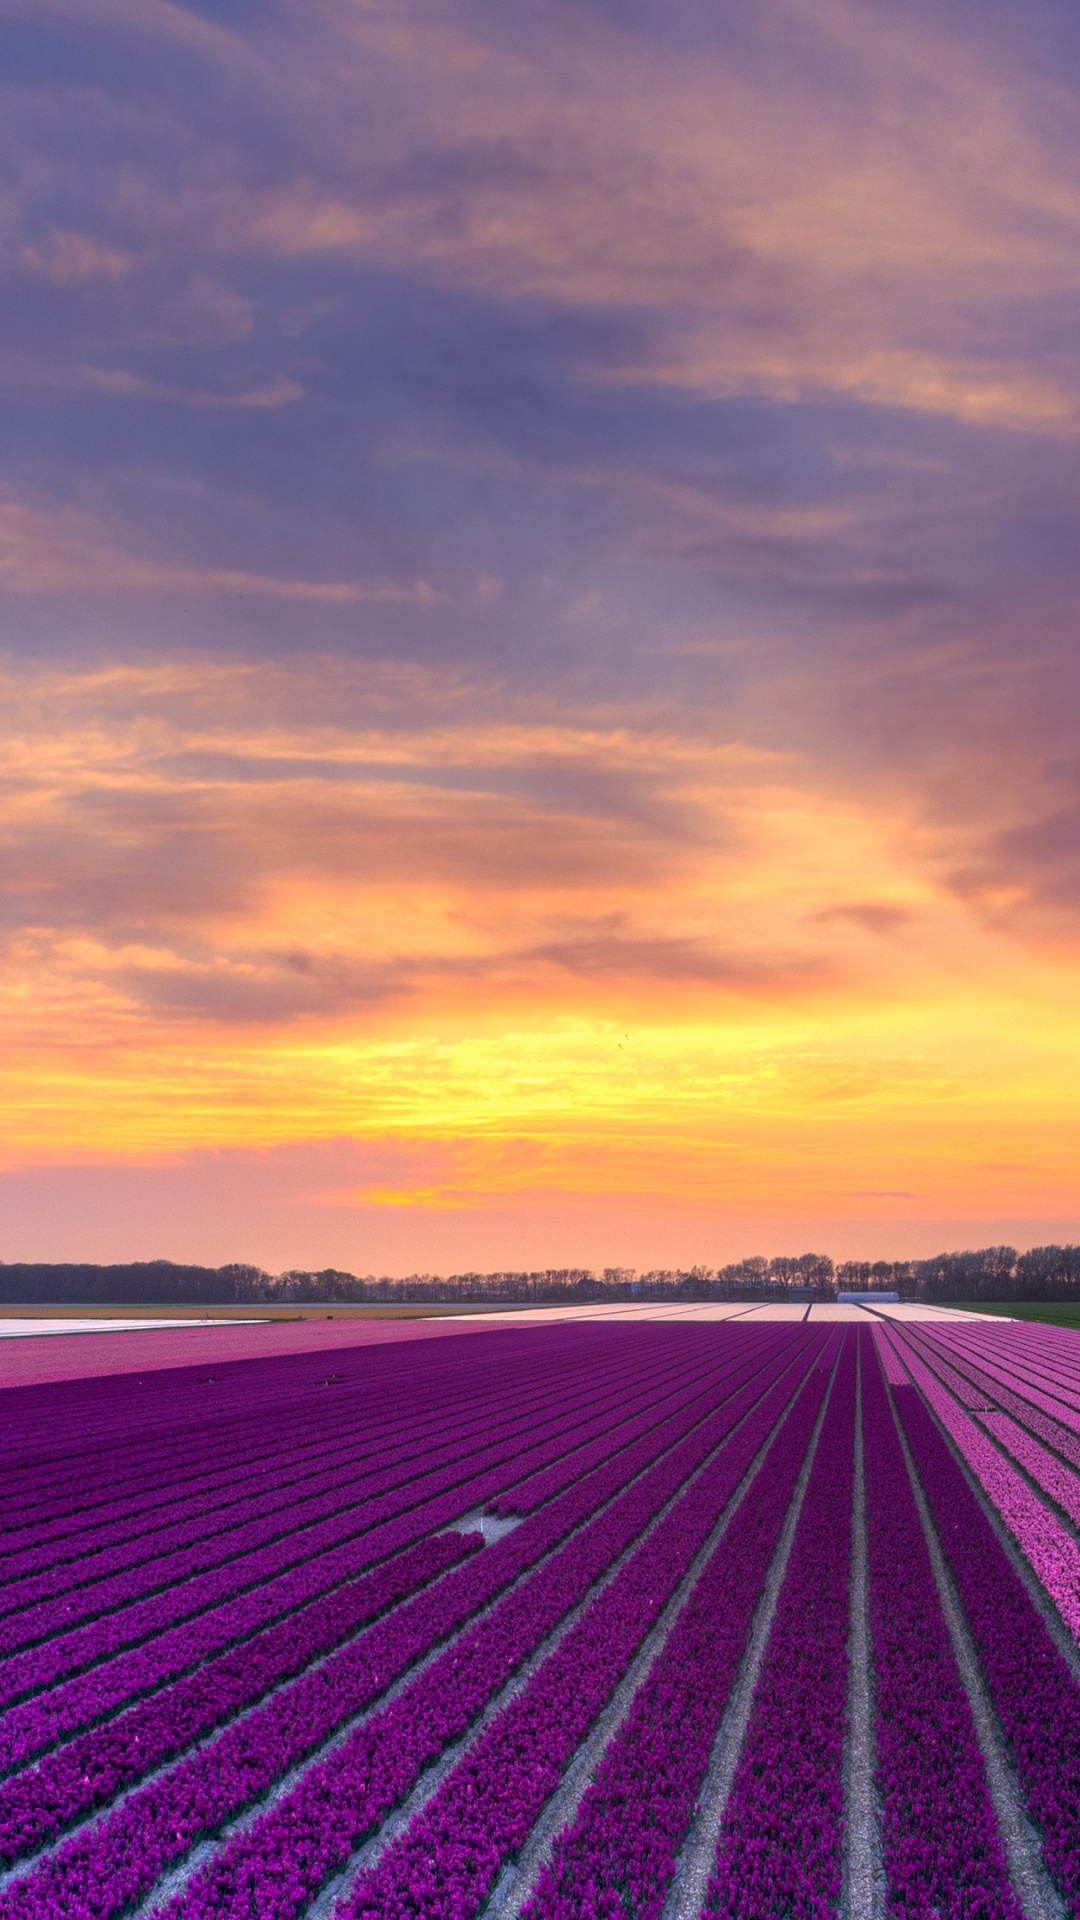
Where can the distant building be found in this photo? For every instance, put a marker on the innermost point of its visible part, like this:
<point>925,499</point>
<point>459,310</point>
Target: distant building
<point>872,1296</point>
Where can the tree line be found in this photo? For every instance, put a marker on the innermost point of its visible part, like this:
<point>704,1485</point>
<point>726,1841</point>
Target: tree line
<point>986,1273</point>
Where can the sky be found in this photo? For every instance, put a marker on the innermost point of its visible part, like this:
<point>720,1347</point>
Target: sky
<point>539,574</point>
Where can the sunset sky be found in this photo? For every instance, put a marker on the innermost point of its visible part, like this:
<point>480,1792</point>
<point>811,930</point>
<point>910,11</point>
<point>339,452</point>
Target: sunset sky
<point>539,570</point>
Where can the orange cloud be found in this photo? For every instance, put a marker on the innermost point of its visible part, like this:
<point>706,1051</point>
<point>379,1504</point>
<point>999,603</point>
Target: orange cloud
<point>586,960</point>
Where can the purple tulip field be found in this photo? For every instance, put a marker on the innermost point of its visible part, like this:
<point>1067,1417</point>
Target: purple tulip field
<point>647,1620</point>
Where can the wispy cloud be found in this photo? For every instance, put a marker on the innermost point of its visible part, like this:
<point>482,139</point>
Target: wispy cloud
<point>162,19</point>
<point>58,553</point>
<point>280,391</point>
<point>67,259</point>
<point>786,215</point>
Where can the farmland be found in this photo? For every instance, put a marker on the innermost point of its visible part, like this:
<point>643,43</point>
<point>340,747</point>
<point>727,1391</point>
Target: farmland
<point>584,1619</point>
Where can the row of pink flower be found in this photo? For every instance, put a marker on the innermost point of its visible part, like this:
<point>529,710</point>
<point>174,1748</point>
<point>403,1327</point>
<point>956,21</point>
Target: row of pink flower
<point>449,1857</point>
<point>1046,1353</point>
<point>973,1385</point>
<point>1009,1378</point>
<point>942,1850</point>
<point>1006,1362</point>
<point>971,1396</point>
<point>997,1383</point>
<point>1053,1349</point>
<point>888,1355</point>
<point>1049,1473</point>
<point>102,1869</point>
<point>781,1839</point>
<point>1034,1693</point>
<point>617,1857</point>
<point>1047,1348</point>
<point>1040,1536</point>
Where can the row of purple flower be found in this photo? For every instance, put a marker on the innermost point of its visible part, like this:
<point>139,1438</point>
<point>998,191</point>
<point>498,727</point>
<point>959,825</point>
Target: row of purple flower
<point>89,1770</point>
<point>347,1481</point>
<point>50,1491</point>
<point>450,1856</point>
<point>27,1729</point>
<point>381,1527</point>
<point>126,1852</point>
<point>527,1614</point>
<point>619,1853</point>
<point>281,1475</point>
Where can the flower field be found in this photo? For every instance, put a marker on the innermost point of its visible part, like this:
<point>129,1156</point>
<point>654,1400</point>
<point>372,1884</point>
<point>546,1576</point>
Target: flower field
<point>563,1621</point>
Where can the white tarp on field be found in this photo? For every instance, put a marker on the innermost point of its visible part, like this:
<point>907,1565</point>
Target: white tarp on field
<point>621,1310</point>
<point>27,1329</point>
<point>920,1310</point>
